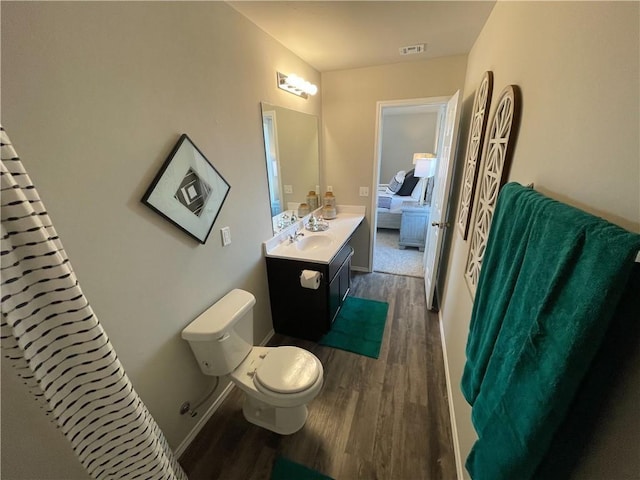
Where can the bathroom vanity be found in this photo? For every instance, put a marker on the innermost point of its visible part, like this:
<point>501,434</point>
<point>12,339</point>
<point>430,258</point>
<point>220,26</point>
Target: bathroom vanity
<point>308,312</point>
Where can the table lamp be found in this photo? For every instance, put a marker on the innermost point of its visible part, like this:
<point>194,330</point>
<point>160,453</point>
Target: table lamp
<point>425,166</point>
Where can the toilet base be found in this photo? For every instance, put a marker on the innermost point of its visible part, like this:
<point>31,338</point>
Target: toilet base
<point>284,421</point>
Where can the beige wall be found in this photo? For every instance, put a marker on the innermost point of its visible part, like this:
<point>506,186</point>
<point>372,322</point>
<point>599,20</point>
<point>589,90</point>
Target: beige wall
<point>349,123</point>
<point>577,66</point>
<point>402,136</point>
<point>94,96</point>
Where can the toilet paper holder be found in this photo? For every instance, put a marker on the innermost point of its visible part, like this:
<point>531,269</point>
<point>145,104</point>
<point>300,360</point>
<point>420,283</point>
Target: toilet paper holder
<point>310,279</point>
<point>321,274</point>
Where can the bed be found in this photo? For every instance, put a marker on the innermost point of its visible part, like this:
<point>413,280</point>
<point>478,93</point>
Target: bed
<point>389,210</point>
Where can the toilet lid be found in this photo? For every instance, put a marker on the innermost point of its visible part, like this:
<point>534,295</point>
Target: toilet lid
<point>287,370</point>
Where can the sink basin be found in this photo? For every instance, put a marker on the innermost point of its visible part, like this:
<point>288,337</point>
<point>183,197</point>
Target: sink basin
<point>316,247</point>
<point>312,242</point>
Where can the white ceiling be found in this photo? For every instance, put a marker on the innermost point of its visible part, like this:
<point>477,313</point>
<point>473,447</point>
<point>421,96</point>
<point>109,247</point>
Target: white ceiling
<point>337,35</point>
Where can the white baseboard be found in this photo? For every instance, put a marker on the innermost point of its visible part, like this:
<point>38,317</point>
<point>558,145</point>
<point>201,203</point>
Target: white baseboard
<point>360,269</point>
<point>203,420</point>
<point>211,410</point>
<point>452,412</point>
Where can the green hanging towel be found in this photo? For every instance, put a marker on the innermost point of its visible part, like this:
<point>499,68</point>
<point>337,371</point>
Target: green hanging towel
<point>552,277</point>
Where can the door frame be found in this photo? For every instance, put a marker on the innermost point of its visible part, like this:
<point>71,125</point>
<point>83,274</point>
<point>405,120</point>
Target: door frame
<point>440,102</point>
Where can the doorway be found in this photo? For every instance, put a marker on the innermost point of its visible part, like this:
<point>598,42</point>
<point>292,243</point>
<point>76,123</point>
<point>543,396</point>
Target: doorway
<point>403,128</point>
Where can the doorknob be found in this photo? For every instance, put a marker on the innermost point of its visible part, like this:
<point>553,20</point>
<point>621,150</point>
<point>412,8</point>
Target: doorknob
<point>440,224</point>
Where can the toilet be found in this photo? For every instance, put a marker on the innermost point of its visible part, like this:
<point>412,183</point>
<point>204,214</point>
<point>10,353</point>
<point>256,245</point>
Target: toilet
<point>278,382</point>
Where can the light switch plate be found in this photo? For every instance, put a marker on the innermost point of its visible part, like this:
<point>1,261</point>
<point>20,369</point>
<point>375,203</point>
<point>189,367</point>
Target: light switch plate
<point>225,232</point>
<point>364,191</point>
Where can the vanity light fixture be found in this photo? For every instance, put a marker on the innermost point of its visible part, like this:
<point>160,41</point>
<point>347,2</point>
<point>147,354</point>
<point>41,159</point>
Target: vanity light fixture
<point>296,85</point>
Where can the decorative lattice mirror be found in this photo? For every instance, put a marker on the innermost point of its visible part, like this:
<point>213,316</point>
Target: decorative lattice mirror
<point>477,129</point>
<point>498,152</point>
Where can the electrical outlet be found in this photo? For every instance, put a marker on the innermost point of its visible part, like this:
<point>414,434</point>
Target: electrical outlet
<point>225,232</point>
<point>364,191</point>
<point>288,189</point>
<point>329,188</point>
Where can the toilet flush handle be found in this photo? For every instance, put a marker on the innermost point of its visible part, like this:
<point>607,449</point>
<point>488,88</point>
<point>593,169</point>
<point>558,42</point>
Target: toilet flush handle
<point>224,337</point>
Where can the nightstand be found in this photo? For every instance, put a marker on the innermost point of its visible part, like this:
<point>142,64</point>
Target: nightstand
<point>413,226</point>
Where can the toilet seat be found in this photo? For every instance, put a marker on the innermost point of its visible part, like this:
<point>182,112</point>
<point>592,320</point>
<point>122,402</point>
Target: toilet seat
<point>287,370</point>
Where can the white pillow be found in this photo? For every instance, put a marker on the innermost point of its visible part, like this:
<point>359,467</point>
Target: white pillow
<point>428,190</point>
<point>396,182</point>
<point>415,194</point>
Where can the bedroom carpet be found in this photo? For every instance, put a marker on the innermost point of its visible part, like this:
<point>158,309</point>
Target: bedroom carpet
<point>388,258</point>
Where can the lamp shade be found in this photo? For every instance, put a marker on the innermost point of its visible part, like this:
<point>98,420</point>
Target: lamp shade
<point>423,167</point>
<point>425,164</point>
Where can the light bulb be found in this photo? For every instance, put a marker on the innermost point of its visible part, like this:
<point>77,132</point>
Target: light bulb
<point>295,81</point>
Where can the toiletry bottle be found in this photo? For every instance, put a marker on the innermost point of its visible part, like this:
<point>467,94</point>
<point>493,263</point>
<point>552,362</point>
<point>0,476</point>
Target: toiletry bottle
<point>303,209</point>
<point>329,209</point>
<point>312,200</point>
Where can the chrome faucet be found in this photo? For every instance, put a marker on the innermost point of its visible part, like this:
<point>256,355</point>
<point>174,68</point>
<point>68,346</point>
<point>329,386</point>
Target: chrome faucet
<point>295,235</point>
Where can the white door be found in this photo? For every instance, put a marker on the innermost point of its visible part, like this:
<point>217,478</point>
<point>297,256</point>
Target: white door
<point>440,199</point>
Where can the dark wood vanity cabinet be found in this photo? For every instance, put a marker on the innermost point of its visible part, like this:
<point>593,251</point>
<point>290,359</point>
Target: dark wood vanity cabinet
<point>303,312</point>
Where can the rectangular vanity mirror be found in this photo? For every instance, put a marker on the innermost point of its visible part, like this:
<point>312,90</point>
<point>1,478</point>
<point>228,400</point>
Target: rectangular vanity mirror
<point>292,157</point>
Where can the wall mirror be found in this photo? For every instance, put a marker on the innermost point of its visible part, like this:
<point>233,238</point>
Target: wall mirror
<point>292,157</point>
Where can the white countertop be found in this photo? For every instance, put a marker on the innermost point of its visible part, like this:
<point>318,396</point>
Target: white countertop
<point>305,248</point>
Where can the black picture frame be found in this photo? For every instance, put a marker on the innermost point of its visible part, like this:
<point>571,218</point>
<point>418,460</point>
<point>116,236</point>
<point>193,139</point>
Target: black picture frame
<point>188,191</point>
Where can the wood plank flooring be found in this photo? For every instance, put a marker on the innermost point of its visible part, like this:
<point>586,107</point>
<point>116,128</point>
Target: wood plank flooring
<point>385,418</point>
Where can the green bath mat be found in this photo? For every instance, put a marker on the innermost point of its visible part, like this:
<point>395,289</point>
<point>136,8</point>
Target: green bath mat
<point>359,327</point>
<point>284,469</point>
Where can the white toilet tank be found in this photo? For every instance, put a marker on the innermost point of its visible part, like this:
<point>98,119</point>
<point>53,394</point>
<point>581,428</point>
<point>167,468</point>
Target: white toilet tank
<point>222,336</point>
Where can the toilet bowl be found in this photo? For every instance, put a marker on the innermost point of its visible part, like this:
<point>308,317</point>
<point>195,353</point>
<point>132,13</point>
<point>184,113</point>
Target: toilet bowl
<point>278,382</point>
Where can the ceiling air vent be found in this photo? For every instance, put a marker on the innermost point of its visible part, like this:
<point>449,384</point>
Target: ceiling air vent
<point>412,49</point>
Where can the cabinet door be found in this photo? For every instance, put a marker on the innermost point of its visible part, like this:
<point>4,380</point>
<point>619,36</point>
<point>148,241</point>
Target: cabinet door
<point>339,288</point>
<point>335,299</point>
<point>345,280</point>
<point>296,311</point>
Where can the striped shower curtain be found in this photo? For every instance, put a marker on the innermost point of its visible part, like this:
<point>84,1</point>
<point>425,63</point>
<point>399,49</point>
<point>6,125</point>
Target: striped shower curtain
<point>56,344</point>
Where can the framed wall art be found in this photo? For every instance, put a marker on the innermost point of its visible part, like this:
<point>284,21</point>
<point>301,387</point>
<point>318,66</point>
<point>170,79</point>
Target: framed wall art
<point>188,191</point>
